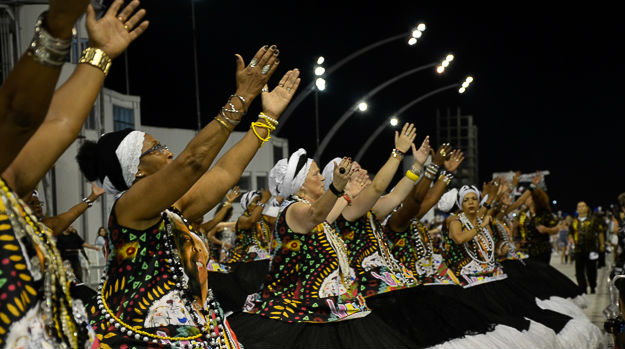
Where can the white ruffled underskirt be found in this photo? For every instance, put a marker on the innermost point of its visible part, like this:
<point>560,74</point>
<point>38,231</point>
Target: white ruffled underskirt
<point>579,332</point>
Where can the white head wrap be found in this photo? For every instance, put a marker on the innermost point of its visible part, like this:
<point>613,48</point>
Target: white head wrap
<point>248,197</point>
<point>447,201</point>
<point>289,182</point>
<point>128,153</point>
<point>276,175</point>
<point>466,190</point>
<point>328,172</point>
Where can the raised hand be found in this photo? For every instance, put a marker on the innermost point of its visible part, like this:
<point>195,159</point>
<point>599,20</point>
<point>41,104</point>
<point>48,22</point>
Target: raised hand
<point>357,183</point>
<point>516,178</point>
<point>455,159</point>
<point>265,195</point>
<point>441,155</point>
<point>404,140</point>
<point>421,155</point>
<point>275,102</point>
<point>253,77</point>
<point>342,173</point>
<point>233,194</point>
<point>62,16</point>
<point>116,29</point>
<point>96,191</point>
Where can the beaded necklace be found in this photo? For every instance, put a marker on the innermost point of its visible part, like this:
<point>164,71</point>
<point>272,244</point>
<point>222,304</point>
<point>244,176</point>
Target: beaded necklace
<point>423,245</point>
<point>482,245</point>
<point>60,319</point>
<point>338,245</point>
<point>389,261</point>
<point>213,331</point>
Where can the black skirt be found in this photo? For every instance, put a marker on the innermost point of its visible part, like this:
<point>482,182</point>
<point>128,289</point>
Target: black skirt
<point>231,289</point>
<point>540,279</point>
<point>429,317</point>
<point>257,332</point>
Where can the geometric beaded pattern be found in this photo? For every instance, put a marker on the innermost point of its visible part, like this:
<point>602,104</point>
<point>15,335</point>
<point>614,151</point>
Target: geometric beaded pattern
<point>457,257</point>
<point>138,277</point>
<point>18,292</point>
<point>248,241</point>
<point>586,233</point>
<point>300,265</point>
<point>374,275</point>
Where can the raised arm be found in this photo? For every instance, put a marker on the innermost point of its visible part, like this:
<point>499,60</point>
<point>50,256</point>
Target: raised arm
<point>370,195</point>
<point>26,93</point>
<point>247,222</point>
<point>59,223</point>
<point>302,217</point>
<point>73,101</point>
<point>387,203</point>
<point>435,193</point>
<point>169,184</point>
<point>207,192</point>
<point>356,184</point>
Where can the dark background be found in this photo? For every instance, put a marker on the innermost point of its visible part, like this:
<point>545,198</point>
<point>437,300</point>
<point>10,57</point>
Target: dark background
<point>548,90</point>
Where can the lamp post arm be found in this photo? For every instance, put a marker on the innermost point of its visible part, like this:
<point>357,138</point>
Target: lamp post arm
<point>311,86</point>
<point>349,112</point>
<point>380,128</point>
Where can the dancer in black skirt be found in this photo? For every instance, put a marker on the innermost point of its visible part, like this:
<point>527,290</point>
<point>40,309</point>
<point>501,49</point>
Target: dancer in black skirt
<point>310,297</point>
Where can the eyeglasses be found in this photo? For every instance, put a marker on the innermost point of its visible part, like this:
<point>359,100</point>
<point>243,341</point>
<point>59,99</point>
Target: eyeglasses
<point>159,147</point>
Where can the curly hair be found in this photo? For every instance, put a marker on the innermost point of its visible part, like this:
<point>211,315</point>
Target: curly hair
<point>541,201</point>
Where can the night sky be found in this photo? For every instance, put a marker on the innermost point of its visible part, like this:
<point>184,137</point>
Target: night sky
<point>548,92</point>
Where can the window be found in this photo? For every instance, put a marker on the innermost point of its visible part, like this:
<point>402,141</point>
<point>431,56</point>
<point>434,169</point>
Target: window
<point>245,183</point>
<point>78,45</point>
<point>123,118</point>
<point>277,153</point>
<point>262,181</point>
<point>91,124</point>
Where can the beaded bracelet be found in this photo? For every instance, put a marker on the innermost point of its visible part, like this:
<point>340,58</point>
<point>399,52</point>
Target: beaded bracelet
<point>335,191</point>
<point>264,116</point>
<point>88,202</point>
<point>397,153</point>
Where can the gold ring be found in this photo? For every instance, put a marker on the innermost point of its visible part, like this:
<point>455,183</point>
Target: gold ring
<point>121,19</point>
<point>126,27</point>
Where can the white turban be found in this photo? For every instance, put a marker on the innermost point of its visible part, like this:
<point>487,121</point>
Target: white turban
<point>287,177</point>
<point>328,172</point>
<point>466,190</point>
<point>247,198</point>
<point>447,201</point>
<point>128,154</point>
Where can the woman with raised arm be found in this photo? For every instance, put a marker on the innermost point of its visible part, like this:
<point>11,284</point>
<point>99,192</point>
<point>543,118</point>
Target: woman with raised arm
<point>376,268</point>
<point>25,94</point>
<point>40,311</point>
<point>154,291</point>
<point>310,297</point>
<point>469,248</point>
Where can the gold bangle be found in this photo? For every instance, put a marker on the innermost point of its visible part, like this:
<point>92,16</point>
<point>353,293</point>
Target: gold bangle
<point>97,58</point>
<point>224,124</point>
<point>412,176</point>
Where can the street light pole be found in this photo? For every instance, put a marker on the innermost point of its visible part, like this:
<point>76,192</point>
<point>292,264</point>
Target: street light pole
<point>349,112</point>
<point>195,70</point>
<point>311,86</point>
<point>380,128</point>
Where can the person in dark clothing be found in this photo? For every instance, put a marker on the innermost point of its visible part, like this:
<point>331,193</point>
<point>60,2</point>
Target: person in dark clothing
<point>70,244</point>
<point>541,223</point>
<point>588,234</point>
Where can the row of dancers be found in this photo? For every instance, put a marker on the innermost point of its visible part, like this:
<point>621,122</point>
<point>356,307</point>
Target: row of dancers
<point>346,265</point>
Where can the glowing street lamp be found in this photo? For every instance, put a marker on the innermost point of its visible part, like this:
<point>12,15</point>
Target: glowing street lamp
<point>321,84</point>
<point>444,64</point>
<point>362,106</point>
<point>394,122</point>
<point>412,41</point>
<point>466,84</point>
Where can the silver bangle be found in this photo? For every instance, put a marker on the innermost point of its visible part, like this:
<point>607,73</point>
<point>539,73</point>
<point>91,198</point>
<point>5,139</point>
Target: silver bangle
<point>45,48</point>
<point>88,202</point>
